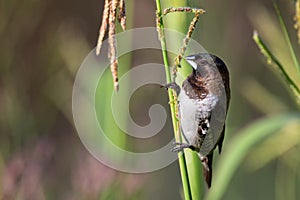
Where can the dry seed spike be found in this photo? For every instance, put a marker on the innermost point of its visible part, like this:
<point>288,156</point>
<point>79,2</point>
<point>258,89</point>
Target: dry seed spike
<point>114,71</point>
<point>158,25</point>
<point>122,14</point>
<point>112,42</point>
<point>186,40</point>
<point>103,27</point>
<point>109,20</point>
<point>183,9</point>
<point>198,12</point>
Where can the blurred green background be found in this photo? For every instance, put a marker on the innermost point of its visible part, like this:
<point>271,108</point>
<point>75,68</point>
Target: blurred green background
<point>42,46</point>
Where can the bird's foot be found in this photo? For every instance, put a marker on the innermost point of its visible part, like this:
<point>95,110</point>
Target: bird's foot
<point>181,146</point>
<point>173,86</point>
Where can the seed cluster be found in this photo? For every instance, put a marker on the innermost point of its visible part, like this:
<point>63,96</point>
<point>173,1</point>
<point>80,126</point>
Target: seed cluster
<point>109,17</point>
<point>198,12</point>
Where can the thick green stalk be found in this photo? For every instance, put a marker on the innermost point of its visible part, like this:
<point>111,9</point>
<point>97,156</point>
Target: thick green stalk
<point>190,164</point>
<point>180,22</point>
<point>173,104</point>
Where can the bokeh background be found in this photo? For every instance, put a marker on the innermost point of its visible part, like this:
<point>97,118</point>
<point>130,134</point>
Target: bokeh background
<point>42,46</point>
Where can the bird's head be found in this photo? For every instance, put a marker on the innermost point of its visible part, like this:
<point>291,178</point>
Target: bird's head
<point>204,64</point>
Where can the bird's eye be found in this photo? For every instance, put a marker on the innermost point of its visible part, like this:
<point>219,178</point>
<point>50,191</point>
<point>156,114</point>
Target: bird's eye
<point>203,62</point>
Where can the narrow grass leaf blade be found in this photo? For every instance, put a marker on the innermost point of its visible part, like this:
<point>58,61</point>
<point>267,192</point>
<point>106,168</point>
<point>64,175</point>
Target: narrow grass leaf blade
<point>286,35</point>
<point>241,146</point>
<point>272,60</point>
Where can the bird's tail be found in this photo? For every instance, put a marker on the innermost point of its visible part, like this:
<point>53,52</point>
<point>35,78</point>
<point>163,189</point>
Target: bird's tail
<point>207,168</point>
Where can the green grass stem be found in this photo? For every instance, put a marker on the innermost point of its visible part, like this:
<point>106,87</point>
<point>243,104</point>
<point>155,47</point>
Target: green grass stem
<point>173,103</point>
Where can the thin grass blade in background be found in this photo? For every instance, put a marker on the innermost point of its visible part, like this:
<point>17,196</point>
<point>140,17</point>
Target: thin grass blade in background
<point>297,18</point>
<point>287,37</point>
<point>277,65</point>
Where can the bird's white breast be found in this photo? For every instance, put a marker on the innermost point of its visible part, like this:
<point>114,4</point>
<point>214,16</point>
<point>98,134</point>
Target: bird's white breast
<point>191,111</point>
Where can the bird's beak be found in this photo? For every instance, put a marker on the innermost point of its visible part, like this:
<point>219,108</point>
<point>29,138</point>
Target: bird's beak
<point>190,57</point>
<point>191,61</point>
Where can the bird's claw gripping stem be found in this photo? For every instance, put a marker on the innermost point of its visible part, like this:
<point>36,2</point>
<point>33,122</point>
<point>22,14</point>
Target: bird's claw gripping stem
<point>173,86</point>
<point>180,146</point>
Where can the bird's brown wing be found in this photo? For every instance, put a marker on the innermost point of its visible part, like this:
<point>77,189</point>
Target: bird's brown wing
<point>220,141</point>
